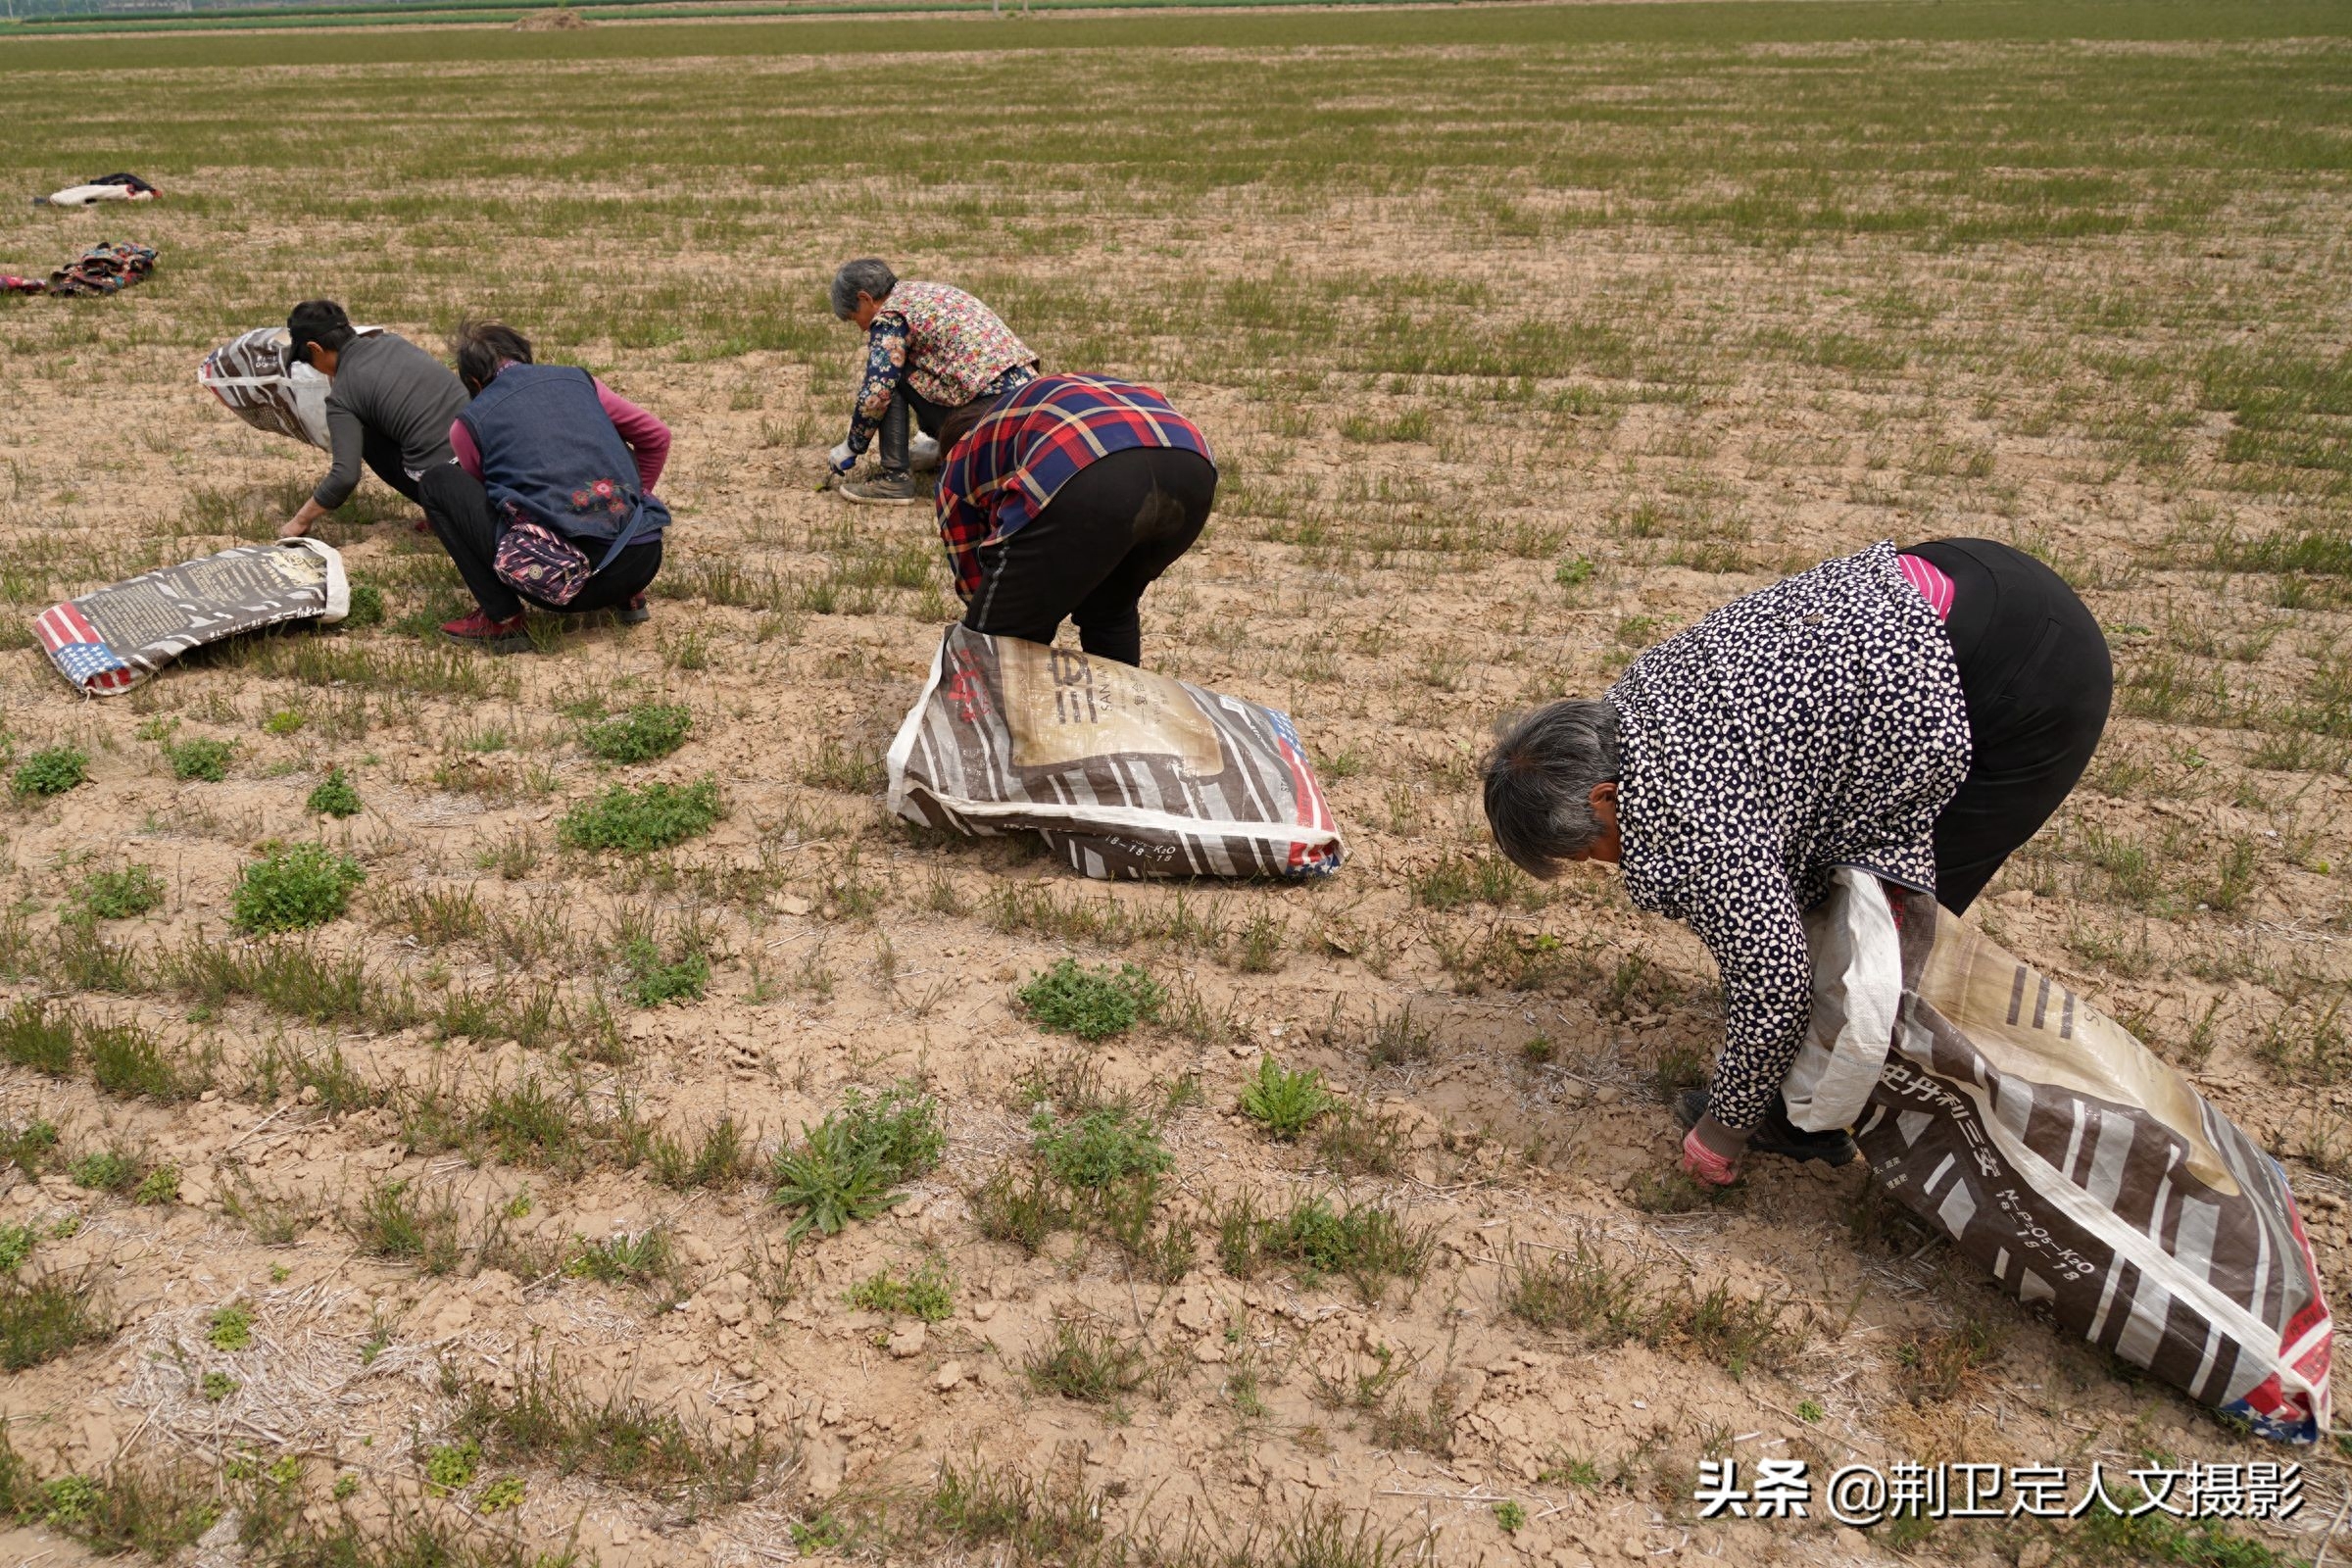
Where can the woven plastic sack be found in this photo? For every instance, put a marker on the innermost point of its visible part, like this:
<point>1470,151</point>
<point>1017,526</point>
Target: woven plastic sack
<point>109,641</point>
<point>1126,773</point>
<point>2081,1171</point>
<point>251,377</point>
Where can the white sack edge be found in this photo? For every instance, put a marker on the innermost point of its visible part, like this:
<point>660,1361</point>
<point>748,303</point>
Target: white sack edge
<point>338,583</point>
<point>1857,992</point>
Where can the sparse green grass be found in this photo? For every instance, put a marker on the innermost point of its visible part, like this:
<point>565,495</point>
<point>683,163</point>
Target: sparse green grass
<point>1367,1243</point>
<point>926,1293</point>
<point>547,1419</point>
<point>119,895</point>
<point>1086,1362</point>
<point>293,888</point>
<point>720,1160</point>
<point>33,1036</point>
<point>636,820</point>
<point>41,1319</point>
<point>1584,1291</point>
<point>1091,1003</point>
<point>396,1222</point>
<point>129,1061</point>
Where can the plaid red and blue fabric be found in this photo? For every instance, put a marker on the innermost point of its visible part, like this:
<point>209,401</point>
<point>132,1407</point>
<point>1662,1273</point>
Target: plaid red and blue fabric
<point>1031,445</point>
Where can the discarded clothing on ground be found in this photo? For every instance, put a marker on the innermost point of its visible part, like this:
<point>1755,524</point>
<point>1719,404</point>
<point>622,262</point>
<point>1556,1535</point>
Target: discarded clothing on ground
<point>251,376</point>
<point>103,268</point>
<point>1125,773</point>
<point>109,641</point>
<point>2064,1157</point>
<point>101,188</point>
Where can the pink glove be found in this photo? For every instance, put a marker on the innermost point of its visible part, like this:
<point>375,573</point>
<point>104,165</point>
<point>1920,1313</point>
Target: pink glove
<point>1703,1164</point>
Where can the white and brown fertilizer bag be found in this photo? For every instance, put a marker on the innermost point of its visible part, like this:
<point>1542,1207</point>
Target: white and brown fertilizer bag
<point>2069,1161</point>
<point>108,641</point>
<point>1126,773</point>
<point>254,380</point>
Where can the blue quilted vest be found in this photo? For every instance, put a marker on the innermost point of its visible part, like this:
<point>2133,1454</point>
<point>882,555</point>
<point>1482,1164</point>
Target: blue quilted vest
<point>549,456</point>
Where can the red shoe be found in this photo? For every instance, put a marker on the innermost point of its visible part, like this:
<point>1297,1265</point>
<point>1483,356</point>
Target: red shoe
<point>480,631</point>
<point>635,612</point>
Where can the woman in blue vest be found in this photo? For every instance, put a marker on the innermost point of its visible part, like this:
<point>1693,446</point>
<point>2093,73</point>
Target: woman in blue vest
<point>567,469</point>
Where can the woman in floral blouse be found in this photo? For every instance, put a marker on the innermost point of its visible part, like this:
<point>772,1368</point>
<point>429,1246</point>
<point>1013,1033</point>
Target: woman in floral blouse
<point>929,349</point>
<point>1918,716</point>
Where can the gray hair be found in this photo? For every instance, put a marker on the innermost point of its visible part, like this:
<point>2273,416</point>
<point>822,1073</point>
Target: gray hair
<point>1540,779</point>
<point>868,274</point>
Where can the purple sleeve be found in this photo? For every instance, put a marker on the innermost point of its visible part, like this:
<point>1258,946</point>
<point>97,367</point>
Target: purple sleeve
<point>461,441</point>
<point>648,437</point>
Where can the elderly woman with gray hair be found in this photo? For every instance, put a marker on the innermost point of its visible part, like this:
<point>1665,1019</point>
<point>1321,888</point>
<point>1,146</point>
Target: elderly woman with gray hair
<point>1916,715</point>
<point>929,349</point>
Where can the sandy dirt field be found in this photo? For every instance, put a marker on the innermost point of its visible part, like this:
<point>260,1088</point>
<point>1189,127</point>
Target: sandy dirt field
<point>449,1229</point>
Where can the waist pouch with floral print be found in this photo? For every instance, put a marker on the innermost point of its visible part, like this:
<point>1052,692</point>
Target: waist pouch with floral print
<point>536,560</point>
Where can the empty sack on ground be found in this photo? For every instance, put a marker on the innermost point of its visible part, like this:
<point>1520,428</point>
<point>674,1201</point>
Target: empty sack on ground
<point>109,641</point>
<point>2061,1155</point>
<point>1126,773</point>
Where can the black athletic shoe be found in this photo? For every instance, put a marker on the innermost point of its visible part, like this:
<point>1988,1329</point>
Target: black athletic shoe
<point>1776,1134</point>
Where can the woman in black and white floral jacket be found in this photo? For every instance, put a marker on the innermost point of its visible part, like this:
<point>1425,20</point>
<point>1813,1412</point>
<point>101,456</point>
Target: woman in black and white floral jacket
<point>1916,715</point>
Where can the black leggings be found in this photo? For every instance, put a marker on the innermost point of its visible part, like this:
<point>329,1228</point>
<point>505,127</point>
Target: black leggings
<point>1108,533</point>
<point>460,512</point>
<point>2038,679</point>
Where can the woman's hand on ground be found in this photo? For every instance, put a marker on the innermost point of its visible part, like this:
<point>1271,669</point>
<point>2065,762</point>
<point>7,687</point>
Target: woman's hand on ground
<point>1703,1164</point>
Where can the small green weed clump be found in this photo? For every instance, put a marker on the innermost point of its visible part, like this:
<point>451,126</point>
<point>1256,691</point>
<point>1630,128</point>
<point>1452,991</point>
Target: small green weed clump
<point>718,1160</point>
<point>16,1242</point>
<point>334,796</point>
<point>294,888</point>
<point>926,1293</point>
<point>643,733</point>
<point>119,895</point>
<point>158,1187</point>
<point>104,1170</point>
<point>640,819</point>
<point>51,772</point>
<point>231,1328</point>
<point>1285,1102</point>
<point>1103,1146</point>
<point>199,760</point>
<point>1099,1173</point>
<point>652,982</point>
<point>848,1166</point>
<point>1091,1003</point>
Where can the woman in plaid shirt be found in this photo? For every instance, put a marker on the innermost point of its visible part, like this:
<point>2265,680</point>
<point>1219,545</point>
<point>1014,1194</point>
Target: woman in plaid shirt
<point>1065,498</point>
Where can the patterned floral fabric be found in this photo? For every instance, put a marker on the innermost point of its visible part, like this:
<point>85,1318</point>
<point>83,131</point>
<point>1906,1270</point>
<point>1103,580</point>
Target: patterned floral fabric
<point>944,344</point>
<point>537,562</point>
<point>103,268</point>
<point>1817,723</point>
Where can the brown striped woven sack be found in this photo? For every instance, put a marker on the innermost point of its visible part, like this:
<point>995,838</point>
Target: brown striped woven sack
<point>2077,1167</point>
<point>1124,772</point>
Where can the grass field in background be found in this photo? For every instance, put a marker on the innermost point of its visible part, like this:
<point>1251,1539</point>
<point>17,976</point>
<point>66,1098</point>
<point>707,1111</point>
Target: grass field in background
<point>1524,334</point>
